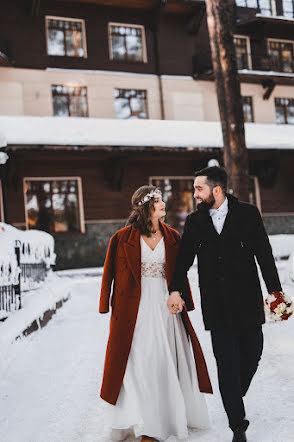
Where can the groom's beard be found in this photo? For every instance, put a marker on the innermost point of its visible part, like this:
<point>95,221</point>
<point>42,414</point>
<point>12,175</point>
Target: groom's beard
<point>207,203</point>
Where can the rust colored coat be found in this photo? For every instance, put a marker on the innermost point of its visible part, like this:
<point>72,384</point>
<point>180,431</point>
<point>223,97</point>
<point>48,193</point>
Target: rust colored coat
<point>123,268</point>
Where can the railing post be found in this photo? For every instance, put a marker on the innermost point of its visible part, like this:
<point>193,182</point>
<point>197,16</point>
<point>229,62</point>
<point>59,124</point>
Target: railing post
<point>17,288</point>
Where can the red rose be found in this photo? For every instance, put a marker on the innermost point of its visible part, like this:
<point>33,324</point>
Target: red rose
<point>274,305</point>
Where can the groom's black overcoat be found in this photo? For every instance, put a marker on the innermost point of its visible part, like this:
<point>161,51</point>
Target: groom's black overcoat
<point>228,279</point>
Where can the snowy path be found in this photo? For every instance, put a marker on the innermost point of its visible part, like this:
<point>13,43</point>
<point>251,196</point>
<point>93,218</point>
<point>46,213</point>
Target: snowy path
<point>50,383</point>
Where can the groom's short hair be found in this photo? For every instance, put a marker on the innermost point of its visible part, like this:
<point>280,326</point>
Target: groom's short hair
<point>216,176</point>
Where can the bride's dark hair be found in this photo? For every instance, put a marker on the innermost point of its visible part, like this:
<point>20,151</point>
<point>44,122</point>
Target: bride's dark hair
<point>140,215</point>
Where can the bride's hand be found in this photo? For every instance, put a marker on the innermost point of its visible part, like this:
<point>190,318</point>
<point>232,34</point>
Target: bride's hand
<point>175,303</point>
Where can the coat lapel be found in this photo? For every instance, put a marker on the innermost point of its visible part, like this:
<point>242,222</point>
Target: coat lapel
<point>207,222</point>
<point>133,252</point>
<point>227,228</point>
<point>171,248</point>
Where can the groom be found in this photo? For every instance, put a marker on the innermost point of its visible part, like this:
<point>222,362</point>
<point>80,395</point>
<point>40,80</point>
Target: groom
<point>227,235</point>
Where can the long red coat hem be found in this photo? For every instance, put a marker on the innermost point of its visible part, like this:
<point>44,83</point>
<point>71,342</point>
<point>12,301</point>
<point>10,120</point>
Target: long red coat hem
<point>121,288</point>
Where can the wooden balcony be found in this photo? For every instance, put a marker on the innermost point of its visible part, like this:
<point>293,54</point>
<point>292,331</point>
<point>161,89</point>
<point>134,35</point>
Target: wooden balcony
<point>251,19</point>
<point>175,6</point>
<point>252,69</point>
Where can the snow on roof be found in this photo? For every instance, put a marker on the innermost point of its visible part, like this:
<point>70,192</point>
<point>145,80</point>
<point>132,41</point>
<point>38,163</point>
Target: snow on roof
<point>275,17</point>
<point>2,140</point>
<point>113,132</point>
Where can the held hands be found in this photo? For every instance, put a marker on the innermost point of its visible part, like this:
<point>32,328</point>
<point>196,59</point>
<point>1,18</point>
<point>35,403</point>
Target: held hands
<point>175,303</point>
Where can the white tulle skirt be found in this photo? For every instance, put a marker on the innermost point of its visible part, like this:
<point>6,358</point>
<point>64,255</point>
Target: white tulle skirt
<point>160,394</point>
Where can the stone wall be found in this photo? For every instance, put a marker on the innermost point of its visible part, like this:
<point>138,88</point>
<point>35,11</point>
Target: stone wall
<point>276,224</point>
<point>89,249</point>
<point>85,250</point>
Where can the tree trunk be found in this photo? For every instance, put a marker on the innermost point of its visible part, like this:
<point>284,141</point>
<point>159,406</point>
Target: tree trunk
<point>220,20</point>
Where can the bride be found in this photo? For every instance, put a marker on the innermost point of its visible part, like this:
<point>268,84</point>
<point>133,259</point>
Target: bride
<point>151,381</point>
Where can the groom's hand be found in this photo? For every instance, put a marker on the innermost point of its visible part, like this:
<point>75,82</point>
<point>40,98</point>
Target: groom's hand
<point>175,303</point>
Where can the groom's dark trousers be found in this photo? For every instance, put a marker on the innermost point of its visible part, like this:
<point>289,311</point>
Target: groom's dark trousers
<point>237,354</point>
<point>231,297</point>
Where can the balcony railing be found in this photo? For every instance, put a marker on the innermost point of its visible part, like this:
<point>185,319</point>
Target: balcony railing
<point>25,260</point>
<point>250,62</point>
<point>265,63</point>
<point>248,9</point>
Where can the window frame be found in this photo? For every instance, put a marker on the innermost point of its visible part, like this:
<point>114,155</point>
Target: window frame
<point>272,3</point>
<point>67,95</point>
<point>144,43</point>
<point>285,109</point>
<point>135,89</point>
<point>248,48</point>
<point>280,40</point>
<point>292,9</point>
<point>81,20</point>
<point>175,177</point>
<point>59,178</point>
<point>251,103</point>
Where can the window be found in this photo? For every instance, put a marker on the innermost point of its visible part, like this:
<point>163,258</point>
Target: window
<point>265,6</point>
<point>288,8</point>
<point>54,204</point>
<point>130,103</point>
<point>284,110</point>
<point>127,43</point>
<point>69,101</point>
<point>247,3</point>
<point>281,56</point>
<point>242,52</point>
<point>247,109</point>
<point>66,37</point>
<point>177,192</point>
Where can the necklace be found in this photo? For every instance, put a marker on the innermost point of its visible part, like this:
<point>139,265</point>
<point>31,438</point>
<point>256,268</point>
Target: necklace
<point>154,233</point>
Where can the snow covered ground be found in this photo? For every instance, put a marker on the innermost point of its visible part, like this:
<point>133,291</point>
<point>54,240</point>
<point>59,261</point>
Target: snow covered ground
<point>50,381</point>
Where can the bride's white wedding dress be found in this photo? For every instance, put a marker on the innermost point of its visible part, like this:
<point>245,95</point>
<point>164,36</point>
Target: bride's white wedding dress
<point>160,395</point>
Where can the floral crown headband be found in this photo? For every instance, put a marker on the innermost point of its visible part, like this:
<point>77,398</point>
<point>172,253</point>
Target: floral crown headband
<point>149,195</point>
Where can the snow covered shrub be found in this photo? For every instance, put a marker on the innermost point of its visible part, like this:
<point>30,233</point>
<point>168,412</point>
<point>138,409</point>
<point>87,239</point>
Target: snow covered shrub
<point>36,255</point>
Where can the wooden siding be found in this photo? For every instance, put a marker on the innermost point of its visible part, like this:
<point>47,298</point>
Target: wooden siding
<point>109,178</point>
<point>27,37</point>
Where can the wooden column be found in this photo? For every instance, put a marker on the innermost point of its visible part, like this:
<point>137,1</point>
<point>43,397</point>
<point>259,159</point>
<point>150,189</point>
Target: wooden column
<point>219,19</point>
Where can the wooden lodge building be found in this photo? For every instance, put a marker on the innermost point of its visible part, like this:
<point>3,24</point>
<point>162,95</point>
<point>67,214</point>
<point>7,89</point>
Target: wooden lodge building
<point>98,97</point>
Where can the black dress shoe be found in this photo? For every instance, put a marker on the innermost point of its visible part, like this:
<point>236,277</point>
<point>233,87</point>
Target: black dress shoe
<point>239,436</point>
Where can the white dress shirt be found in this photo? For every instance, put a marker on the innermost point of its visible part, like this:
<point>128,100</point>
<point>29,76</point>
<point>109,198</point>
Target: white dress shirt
<point>218,216</point>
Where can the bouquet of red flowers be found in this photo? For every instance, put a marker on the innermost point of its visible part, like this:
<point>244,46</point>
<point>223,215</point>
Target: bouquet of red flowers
<point>279,306</point>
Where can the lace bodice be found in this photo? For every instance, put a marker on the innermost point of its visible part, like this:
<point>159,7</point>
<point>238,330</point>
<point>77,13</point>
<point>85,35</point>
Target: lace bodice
<point>152,261</point>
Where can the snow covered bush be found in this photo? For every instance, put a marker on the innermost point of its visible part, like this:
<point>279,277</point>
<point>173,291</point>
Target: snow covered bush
<point>291,266</point>
<point>36,253</point>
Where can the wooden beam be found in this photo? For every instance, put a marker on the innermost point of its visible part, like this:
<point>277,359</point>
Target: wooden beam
<point>35,7</point>
<point>174,6</point>
<point>269,85</point>
<point>136,4</point>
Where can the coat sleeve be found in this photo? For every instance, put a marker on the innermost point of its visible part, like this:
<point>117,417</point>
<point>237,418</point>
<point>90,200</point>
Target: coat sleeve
<point>108,275</point>
<point>264,255</point>
<point>185,258</point>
